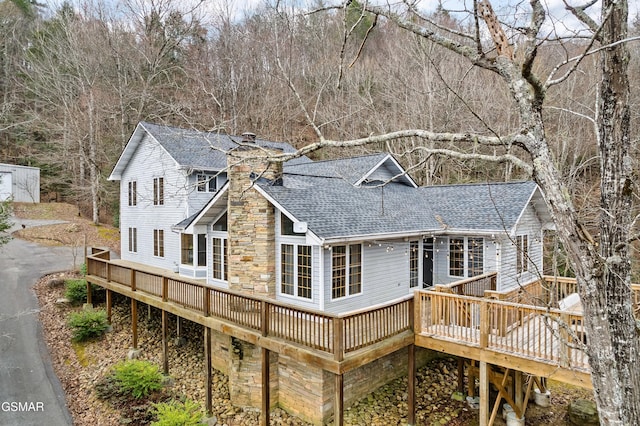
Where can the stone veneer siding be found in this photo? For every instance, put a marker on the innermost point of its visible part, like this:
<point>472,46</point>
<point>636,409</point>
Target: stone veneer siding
<point>251,224</point>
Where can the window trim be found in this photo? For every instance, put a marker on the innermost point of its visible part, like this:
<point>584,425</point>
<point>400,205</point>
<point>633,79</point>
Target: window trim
<point>133,193</point>
<point>522,253</point>
<point>224,257</point>
<point>349,270</point>
<point>158,243</point>
<point>204,181</point>
<point>466,253</point>
<point>294,273</point>
<point>158,191</point>
<point>186,251</point>
<point>414,264</point>
<point>133,240</point>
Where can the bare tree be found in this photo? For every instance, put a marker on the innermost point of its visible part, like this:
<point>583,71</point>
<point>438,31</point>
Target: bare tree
<point>601,262</point>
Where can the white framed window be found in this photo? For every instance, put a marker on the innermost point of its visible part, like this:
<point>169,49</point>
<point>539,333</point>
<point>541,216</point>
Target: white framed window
<point>133,193</point>
<point>220,256</point>
<point>466,256</point>
<point>346,270</point>
<point>207,183</point>
<point>158,191</point>
<point>414,263</point>
<point>158,242</point>
<point>296,271</point>
<point>133,240</point>
<point>522,253</point>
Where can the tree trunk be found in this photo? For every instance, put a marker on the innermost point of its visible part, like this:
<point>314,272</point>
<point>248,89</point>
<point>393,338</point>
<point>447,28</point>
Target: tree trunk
<point>614,348</point>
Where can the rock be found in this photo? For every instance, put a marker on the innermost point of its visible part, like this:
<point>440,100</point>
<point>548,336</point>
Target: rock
<point>55,282</point>
<point>583,412</point>
<point>458,396</point>
<point>211,421</point>
<point>134,353</point>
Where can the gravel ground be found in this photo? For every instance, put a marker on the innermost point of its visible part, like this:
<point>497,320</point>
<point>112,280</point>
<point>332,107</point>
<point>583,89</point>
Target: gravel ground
<point>79,367</point>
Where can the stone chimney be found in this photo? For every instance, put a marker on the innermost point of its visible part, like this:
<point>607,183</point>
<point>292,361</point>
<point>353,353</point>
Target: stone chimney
<point>251,221</point>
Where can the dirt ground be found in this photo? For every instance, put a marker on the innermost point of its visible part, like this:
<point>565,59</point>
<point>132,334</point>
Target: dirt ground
<point>69,360</point>
<point>76,232</point>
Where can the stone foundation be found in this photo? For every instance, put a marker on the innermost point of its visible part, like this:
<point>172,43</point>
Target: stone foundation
<point>302,390</point>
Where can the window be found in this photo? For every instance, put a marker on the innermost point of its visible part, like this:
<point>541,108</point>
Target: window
<point>133,193</point>
<point>466,257</point>
<point>296,270</point>
<point>414,251</point>
<point>158,242</point>
<point>206,183</point>
<point>475,257</point>
<point>220,256</point>
<point>221,224</point>
<point>456,257</point>
<point>158,191</point>
<point>286,226</point>
<point>186,249</point>
<point>522,253</point>
<point>133,240</point>
<point>202,250</point>
<point>346,270</point>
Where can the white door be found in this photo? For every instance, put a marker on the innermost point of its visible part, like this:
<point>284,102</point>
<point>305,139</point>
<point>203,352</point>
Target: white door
<point>5,185</point>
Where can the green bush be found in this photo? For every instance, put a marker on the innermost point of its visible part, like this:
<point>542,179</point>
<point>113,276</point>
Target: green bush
<point>76,291</point>
<point>88,324</point>
<point>137,378</point>
<point>176,413</point>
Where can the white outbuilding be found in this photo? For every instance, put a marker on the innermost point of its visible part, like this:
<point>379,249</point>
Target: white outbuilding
<point>19,183</point>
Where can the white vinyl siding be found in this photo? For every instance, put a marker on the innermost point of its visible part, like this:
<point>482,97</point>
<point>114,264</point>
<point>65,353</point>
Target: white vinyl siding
<point>149,161</point>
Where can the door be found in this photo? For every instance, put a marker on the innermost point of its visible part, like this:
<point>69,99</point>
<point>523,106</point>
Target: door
<point>5,186</point>
<point>427,263</point>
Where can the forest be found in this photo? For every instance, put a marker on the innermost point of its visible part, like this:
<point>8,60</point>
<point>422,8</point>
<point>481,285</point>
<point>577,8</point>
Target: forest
<point>76,80</point>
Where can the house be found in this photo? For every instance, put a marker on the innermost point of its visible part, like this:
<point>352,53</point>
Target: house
<point>335,235</point>
<point>19,183</point>
<point>322,239</point>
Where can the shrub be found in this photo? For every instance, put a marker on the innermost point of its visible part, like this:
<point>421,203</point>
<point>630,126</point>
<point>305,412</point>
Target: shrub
<point>76,291</point>
<point>176,413</point>
<point>137,378</point>
<point>88,324</point>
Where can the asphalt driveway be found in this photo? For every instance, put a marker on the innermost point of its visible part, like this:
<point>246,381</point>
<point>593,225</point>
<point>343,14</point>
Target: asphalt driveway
<point>30,393</point>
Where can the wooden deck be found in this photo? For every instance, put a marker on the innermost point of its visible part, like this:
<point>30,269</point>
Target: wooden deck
<point>336,343</point>
<point>534,339</point>
<point>539,341</point>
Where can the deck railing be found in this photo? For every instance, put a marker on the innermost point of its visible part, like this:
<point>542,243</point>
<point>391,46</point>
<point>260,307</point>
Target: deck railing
<point>474,286</point>
<point>547,335</point>
<point>334,334</point>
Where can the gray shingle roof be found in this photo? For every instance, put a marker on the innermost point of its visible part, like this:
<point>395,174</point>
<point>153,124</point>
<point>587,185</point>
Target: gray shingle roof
<point>333,208</point>
<point>202,150</point>
<point>349,169</point>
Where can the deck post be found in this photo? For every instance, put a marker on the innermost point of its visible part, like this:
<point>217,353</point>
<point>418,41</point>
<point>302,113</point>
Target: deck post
<point>109,301</point>
<point>266,396</point>
<point>134,323</point>
<point>460,375</point>
<point>208,371</point>
<point>518,390</point>
<point>338,339</point>
<point>484,394</point>
<point>411,417</point>
<point>338,401</point>
<point>165,289</point>
<point>165,347</point>
<point>89,302</point>
<point>484,324</point>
